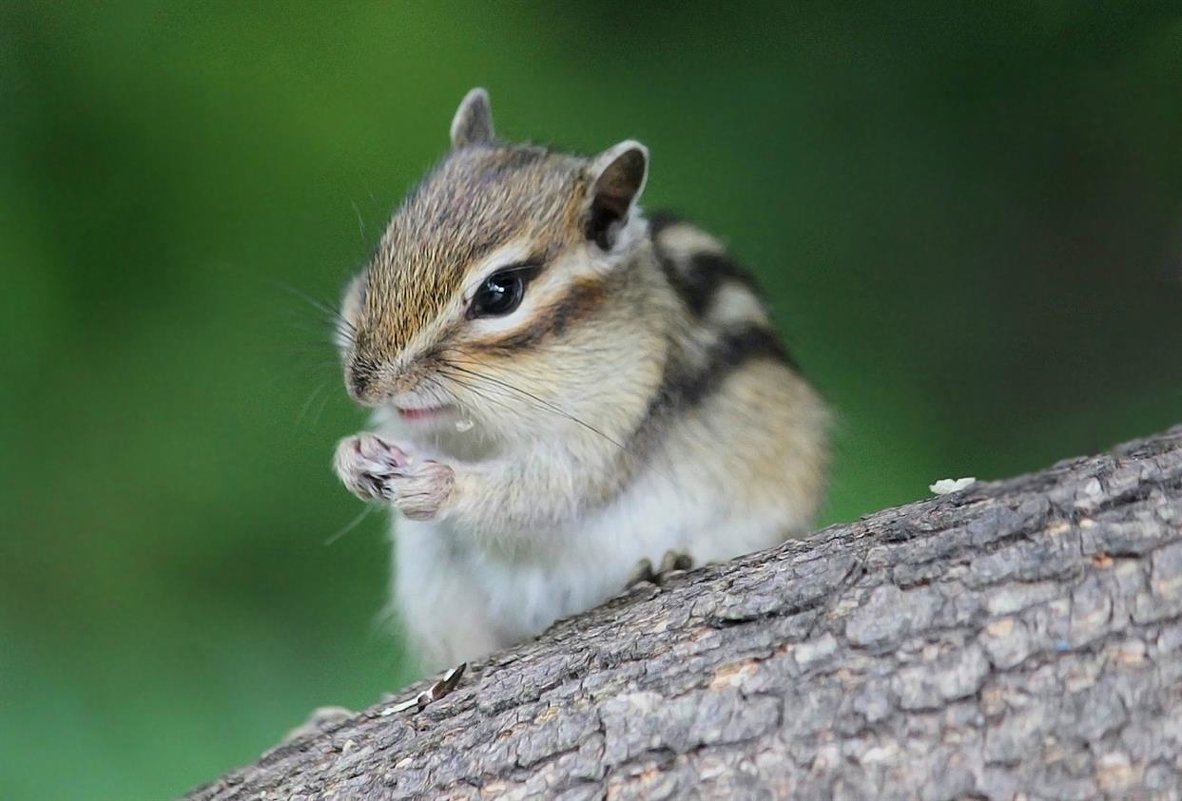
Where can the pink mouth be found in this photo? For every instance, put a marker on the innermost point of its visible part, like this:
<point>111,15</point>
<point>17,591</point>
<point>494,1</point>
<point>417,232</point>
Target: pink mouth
<point>422,415</point>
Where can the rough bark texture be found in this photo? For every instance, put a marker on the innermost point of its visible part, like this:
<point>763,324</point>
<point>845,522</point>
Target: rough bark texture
<point>1017,640</point>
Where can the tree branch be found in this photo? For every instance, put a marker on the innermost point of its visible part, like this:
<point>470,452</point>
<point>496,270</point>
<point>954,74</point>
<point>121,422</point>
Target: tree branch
<point>1018,637</point>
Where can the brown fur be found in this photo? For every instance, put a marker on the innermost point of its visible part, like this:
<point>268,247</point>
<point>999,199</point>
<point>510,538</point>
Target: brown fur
<point>476,199</point>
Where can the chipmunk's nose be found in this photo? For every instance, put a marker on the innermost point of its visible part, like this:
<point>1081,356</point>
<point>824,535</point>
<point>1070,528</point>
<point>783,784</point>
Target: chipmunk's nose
<point>373,384</point>
<point>363,382</point>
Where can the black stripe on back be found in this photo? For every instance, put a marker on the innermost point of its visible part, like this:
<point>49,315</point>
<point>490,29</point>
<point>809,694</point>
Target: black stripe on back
<point>734,349</point>
<point>696,281</point>
<point>660,220</point>
<point>685,386</point>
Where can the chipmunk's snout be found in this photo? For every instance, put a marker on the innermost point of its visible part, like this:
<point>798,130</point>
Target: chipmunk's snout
<point>371,383</point>
<point>362,384</point>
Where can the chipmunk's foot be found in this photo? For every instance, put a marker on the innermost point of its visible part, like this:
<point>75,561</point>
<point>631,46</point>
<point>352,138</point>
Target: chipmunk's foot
<point>673,562</point>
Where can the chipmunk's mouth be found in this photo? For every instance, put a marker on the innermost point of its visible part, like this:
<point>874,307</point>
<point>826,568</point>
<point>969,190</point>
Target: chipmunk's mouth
<point>424,414</point>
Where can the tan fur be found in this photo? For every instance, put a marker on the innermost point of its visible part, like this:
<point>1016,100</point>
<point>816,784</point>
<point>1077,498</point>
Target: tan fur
<point>636,402</point>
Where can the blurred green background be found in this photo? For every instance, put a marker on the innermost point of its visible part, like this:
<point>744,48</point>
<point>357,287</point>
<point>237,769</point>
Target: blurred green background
<point>968,217</point>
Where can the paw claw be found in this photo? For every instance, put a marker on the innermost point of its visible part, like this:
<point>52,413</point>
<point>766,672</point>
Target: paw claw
<point>641,573</point>
<point>673,562</point>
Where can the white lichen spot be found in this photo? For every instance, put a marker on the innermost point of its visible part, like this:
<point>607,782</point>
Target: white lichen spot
<point>809,652</point>
<point>947,486</point>
<point>886,753</point>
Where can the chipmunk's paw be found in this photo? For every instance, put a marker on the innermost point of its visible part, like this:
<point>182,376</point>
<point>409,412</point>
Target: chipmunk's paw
<point>674,562</point>
<point>374,469</point>
<point>421,489</point>
<point>366,463</point>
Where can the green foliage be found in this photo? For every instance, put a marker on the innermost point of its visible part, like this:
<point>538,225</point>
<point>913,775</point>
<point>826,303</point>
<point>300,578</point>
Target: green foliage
<point>967,218</point>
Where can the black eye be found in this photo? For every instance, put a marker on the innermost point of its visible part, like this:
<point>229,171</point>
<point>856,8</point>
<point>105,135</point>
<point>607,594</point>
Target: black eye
<point>501,292</point>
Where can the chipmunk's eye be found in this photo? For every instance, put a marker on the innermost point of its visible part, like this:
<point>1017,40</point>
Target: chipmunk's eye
<point>501,292</point>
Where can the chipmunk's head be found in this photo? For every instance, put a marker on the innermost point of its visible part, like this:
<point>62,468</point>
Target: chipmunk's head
<point>498,282</point>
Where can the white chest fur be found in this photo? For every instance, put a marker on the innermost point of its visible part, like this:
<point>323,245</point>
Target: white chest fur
<point>462,594</point>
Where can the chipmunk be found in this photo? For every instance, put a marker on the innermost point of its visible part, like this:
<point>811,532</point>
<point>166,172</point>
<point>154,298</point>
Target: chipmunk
<point>565,393</point>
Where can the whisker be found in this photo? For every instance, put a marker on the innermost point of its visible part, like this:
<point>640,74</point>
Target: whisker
<point>534,400</point>
<point>541,402</point>
<point>322,331</point>
<point>308,403</point>
<point>351,525</point>
<point>360,219</point>
<point>327,309</point>
<point>324,401</point>
<point>477,391</point>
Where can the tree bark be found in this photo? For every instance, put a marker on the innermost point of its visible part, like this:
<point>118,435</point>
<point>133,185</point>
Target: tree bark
<point>1018,639</point>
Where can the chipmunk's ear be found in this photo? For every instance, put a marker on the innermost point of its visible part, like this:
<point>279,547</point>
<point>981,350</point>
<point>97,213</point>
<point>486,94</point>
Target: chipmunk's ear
<point>617,179</point>
<point>472,124</point>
